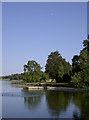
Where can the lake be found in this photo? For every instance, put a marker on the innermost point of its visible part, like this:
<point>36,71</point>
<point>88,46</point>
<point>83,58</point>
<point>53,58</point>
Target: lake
<point>21,103</point>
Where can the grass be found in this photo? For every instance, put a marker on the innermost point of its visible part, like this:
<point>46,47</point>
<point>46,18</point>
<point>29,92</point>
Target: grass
<point>51,84</point>
<point>16,80</point>
<point>5,79</point>
<point>60,84</point>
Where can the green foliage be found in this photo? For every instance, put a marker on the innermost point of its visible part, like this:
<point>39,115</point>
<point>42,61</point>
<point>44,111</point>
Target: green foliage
<point>44,76</point>
<point>57,67</point>
<point>13,77</point>
<point>32,66</point>
<point>52,65</point>
<point>33,73</point>
<point>80,67</point>
<point>81,79</point>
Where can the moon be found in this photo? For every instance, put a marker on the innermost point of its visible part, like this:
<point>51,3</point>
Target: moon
<point>51,13</point>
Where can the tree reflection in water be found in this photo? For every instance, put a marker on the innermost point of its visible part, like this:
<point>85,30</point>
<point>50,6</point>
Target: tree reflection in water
<point>33,101</point>
<point>58,101</point>
<point>81,100</point>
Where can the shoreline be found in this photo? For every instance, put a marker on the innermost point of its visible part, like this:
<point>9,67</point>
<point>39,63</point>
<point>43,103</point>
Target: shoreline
<point>58,88</point>
<point>51,88</point>
<point>30,86</point>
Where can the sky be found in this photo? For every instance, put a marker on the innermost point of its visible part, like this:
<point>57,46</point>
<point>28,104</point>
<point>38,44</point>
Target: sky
<point>88,17</point>
<point>31,31</point>
<point>0,38</point>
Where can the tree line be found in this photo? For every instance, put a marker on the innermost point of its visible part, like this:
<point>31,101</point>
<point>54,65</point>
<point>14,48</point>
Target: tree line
<point>59,69</point>
<point>13,76</point>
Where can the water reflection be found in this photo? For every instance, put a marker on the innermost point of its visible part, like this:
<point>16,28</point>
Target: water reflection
<point>34,101</point>
<point>81,100</point>
<point>57,101</point>
<point>44,104</point>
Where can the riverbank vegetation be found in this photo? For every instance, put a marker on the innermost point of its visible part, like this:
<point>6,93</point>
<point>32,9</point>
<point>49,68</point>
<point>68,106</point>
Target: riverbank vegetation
<point>58,70</point>
<point>80,66</point>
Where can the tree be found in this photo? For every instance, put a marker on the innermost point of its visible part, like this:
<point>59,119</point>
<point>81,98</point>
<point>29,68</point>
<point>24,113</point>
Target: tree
<point>56,66</point>
<point>75,64</point>
<point>80,66</point>
<point>33,73</point>
<point>52,65</point>
<point>13,76</point>
<point>32,66</point>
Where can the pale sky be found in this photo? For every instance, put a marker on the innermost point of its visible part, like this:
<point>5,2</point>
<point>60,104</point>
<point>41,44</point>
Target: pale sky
<point>31,31</point>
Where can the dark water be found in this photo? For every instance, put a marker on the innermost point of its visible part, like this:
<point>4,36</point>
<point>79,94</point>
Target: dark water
<point>20,103</point>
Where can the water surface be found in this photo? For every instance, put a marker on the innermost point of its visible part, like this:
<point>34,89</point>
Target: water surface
<point>21,103</point>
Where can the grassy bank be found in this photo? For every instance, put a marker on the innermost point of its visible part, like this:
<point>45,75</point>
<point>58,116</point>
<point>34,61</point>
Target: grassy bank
<point>60,84</point>
<point>21,83</point>
<point>52,84</point>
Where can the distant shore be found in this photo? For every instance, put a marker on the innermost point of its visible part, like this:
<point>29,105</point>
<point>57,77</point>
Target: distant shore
<point>9,80</point>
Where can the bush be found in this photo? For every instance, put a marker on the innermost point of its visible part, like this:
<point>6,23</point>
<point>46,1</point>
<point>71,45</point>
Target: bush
<point>81,79</point>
